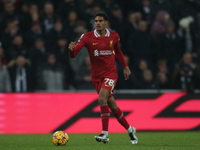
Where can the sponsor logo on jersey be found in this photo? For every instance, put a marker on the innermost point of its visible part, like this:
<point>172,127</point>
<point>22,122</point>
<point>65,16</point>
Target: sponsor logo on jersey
<point>96,52</point>
<point>94,43</point>
<point>103,52</point>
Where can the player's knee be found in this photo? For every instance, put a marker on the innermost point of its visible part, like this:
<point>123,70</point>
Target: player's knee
<point>102,101</point>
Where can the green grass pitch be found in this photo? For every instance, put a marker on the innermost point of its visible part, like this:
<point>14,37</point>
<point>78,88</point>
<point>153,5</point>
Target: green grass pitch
<point>147,141</point>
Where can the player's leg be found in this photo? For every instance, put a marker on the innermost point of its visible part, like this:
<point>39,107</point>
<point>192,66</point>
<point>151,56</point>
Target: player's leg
<point>121,119</point>
<point>105,114</point>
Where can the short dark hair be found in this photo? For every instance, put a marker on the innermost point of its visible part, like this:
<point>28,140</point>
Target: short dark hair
<point>102,14</point>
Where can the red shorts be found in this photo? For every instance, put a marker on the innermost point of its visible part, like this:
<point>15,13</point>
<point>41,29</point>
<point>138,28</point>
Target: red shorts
<point>106,83</point>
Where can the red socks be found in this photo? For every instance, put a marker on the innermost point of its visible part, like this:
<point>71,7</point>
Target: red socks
<point>121,119</point>
<point>105,114</point>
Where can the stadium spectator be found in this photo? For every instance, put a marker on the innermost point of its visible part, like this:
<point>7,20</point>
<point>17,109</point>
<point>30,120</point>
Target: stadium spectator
<point>21,75</point>
<point>128,28</point>
<point>66,6</point>
<point>8,15</point>
<point>5,83</point>
<point>106,5</point>
<point>170,43</point>
<point>186,75</point>
<point>187,8</point>
<point>8,34</point>
<point>48,16</point>
<point>162,81</point>
<point>85,7</point>
<point>160,5</point>
<point>38,54</point>
<point>139,68</point>
<point>158,26</point>
<point>25,17</point>
<point>185,33</point>
<point>146,11</point>
<point>51,75</point>
<point>17,49</point>
<point>116,18</point>
<point>54,34</point>
<point>147,81</point>
<point>83,75</point>
<point>34,13</point>
<point>35,33</point>
<point>162,66</point>
<point>70,23</point>
<point>141,44</point>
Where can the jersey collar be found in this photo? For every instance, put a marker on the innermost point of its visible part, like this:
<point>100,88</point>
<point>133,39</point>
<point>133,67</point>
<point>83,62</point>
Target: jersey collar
<point>96,34</point>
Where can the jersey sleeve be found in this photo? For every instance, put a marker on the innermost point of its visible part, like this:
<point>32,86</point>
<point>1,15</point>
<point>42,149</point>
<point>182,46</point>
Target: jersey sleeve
<point>81,43</point>
<point>118,52</point>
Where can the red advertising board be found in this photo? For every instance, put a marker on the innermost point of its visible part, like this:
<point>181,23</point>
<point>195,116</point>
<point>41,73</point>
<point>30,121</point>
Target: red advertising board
<point>79,112</point>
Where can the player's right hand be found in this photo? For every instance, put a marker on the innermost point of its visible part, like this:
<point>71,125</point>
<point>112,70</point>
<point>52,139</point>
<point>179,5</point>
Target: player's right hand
<point>72,46</point>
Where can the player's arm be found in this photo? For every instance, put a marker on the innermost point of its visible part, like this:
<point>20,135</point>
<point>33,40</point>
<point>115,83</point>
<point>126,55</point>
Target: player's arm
<point>74,48</point>
<point>120,57</point>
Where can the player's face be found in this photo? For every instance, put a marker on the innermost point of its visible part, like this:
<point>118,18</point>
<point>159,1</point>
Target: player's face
<point>100,23</point>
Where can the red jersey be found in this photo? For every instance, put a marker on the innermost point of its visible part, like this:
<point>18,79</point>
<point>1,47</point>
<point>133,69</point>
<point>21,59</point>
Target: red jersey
<point>102,51</point>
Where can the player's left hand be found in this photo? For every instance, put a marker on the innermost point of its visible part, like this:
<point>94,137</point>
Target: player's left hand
<point>127,73</point>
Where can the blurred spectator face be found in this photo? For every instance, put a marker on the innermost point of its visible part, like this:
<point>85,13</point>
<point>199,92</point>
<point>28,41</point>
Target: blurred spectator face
<point>51,59</point>
<point>17,40</point>
<point>39,44</point>
<point>96,9</point>
<point>162,66</point>
<point>142,26</point>
<point>25,8</point>
<point>170,29</point>
<point>162,77</point>
<point>62,42</point>
<point>58,26</point>
<point>20,61</point>
<point>117,12</point>
<point>36,27</point>
<point>143,65</point>
<point>72,16</point>
<point>89,2</point>
<point>11,26</point>
<point>87,61</point>
<point>132,17</point>
<point>80,27</point>
<point>147,75</point>
<point>33,9</point>
<point>138,16</point>
<point>9,8</point>
<point>145,3</point>
<point>48,9</point>
<point>187,58</point>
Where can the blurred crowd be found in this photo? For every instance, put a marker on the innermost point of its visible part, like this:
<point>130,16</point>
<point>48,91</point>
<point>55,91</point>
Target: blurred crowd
<point>159,39</point>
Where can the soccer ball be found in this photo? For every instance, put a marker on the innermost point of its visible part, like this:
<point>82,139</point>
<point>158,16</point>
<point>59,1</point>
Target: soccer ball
<point>60,138</point>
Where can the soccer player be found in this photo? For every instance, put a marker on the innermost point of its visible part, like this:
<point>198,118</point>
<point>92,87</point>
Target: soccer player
<point>103,46</point>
